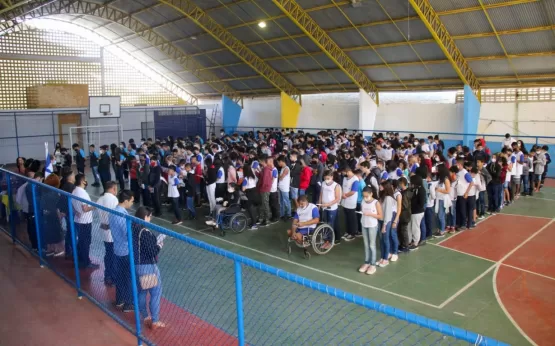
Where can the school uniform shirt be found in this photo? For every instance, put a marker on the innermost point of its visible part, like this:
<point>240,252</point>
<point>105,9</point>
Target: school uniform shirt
<point>118,227</point>
<point>249,183</point>
<point>173,184</point>
<point>369,207</point>
<point>328,194</point>
<point>473,189</point>
<point>274,180</point>
<point>108,201</point>
<point>220,176</point>
<point>80,216</point>
<point>394,175</point>
<point>519,162</point>
<point>307,214</point>
<point>285,182</point>
<point>463,180</point>
<point>412,169</point>
<point>513,161</point>
<point>431,192</point>
<point>350,185</point>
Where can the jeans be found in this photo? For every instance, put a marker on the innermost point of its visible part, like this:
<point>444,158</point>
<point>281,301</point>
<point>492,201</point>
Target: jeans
<point>481,203</point>
<point>155,292</point>
<point>369,235</point>
<point>359,218</point>
<point>532,181</point>
<point>470,206</point>
<point>95,174</point>
<point>496,196</point>
<point>109,262</point>
<point>351,221</point>
<point>155,198</point>
<point>461,211</point>
<point>428,222</point>
<point>67,240</point>
<point>414,228</point>
<point>403,233</point>
<point>389,239</point>
<point>274,205</point>
<point>265,206</point>
<point>331,219</point>
<point>84,238</point>
<point>191,206</point>
<point>452,219</point>
<point>441,216</point>
<point>105,176</point>
<point>119,177</point>
<point>526,183</point>
<point>211,192</point>
<point>136,190</point>
<point>123,280</point>
<point>284,204</point>
<point>175,207</point>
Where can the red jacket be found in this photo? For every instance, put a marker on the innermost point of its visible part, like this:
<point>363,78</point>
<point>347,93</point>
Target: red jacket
<point>306,174</point>
<point>265,180</point>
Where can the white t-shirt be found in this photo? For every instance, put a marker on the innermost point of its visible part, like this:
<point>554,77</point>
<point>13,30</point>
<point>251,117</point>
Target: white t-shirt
<point>369,221</point>
<point>109,201</point>
<point>79,215</point>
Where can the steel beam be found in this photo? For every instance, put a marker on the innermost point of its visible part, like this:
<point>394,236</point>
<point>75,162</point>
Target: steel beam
<point>327,45</point>
<point>155,39</point>
<point>199,17</point>
<point>431,19</point>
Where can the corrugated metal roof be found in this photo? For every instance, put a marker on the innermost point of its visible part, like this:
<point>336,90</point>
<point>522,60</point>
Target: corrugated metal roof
<point>191,46</point>
<point>285,47</point>
<point>186,27</point>
<point>259,83</point>
<point>532,42</point>
<point>444,70</point>
<point>132,6</point>
<point>377,74</point>
<point>491,68</point>
<point>466,23</point>
<point>446,5</point>
<point>330,18</point>
<point>483,46</point>
<point>242,70</point>
<point>368,12</point>
<point>534,65</point>
<point>379,34</point>
<point>365,57</point>
<point>398,8</point>
<point>397,54</point>
<point>429,51</point>
<point>519,16</point>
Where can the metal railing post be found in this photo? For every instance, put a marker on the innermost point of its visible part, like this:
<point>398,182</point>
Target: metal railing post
<point>537,140</point>
<point>134,281</point>
<point>239,302</point>
<point>71,228</point>
<point>37,222</point>
<point>11,206</point>
<point>16,136</point>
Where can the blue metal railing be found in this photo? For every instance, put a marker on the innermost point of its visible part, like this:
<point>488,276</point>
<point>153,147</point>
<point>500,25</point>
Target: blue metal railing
<point>417,326</point>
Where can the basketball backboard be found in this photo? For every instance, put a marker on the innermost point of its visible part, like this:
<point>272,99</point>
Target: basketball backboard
<point>104,107</point>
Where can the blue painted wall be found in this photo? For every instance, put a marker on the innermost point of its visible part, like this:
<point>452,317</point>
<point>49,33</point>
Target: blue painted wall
<point>231,113</point>
<point>471,116</point>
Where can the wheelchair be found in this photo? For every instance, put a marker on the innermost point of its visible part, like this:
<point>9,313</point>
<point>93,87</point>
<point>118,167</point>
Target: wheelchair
<point>236,222</point>
<point>316,239</point>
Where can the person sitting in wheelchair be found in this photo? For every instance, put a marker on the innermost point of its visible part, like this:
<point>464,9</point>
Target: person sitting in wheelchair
<point>305,220</point>
<point>229,204</point>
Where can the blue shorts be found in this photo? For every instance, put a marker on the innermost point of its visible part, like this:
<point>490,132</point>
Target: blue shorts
<point>302,192</point>
<point>294,192</point>
<point>304,231</point>
<point>506,185</point>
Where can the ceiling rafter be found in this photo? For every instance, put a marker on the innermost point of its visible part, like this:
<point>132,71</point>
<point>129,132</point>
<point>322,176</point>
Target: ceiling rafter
<point>349,27</point>
<point>409,63</point>
<point>195,13</point>
<point>155,39</point>
<point>327,45</point>
<point>447,44</point>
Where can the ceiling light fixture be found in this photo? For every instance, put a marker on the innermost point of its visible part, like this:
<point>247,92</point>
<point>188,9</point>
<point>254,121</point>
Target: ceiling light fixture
<point>262,25</point>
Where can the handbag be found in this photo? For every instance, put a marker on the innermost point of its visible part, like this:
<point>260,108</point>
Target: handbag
<point>147,281</point>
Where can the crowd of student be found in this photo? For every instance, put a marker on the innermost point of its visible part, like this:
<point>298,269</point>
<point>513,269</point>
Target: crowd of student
<point>397,188</point>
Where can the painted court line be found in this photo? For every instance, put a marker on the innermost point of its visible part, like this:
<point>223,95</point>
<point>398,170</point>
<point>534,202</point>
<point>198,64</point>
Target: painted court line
<point>302,265</point>
<point>541,198</point>
<point>494,266</point>
<point>464,253</point>
<point>506,312</point>
<point>528,271</point>
<point>534,217</point>
<point>456,234</point>
<point>458,313</point>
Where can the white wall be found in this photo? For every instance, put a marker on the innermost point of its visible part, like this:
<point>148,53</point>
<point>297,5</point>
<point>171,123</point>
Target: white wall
<point>329,111</point>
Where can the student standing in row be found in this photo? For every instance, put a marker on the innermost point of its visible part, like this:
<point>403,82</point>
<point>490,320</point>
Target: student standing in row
<point>109,201</point>
<point>371,212</point>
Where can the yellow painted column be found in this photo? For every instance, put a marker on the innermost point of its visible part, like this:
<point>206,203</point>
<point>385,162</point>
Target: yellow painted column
<point>290,111</point>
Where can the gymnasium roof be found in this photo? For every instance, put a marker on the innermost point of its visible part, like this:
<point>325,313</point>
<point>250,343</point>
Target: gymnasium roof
<point>504,43</point>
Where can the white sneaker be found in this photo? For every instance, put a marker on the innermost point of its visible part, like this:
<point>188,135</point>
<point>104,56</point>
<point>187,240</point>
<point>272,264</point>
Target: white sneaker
<point>210,223</point>
<point>394,258</point>
<point>383,264</point>
<point>371,270</point>
<point>363,268</point>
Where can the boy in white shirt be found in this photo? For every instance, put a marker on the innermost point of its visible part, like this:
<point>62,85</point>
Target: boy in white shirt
<point>173,193</point>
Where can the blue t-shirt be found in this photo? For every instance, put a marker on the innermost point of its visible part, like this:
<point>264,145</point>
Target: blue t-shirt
<point>118,227</point>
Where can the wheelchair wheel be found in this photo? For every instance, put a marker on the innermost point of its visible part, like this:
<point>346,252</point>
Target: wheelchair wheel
<point>238,223</point>
<point>306,254</point>
<point>323,234</point>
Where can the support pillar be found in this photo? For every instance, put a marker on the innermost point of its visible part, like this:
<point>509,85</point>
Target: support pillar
<point>367,111</point>
<point>471,117</point>
<point>231,113</point>
<point>290,111</point>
